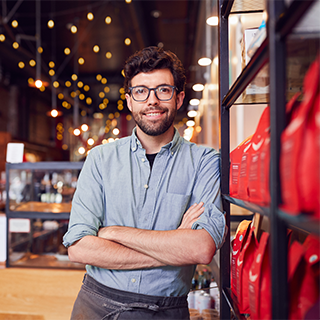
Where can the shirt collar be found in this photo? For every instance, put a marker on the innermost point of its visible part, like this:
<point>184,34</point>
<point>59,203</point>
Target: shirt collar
<point>172,146</point>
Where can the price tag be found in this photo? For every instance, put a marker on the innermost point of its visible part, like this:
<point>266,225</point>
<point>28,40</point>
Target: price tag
<point>19,225</point>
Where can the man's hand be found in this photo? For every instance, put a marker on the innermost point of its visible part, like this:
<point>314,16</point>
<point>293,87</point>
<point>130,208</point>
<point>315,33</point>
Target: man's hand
<point>191,215</point>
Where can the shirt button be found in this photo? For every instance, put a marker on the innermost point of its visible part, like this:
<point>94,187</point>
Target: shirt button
<point>172,152</point>
<point>133,280</point>
<point>146,186</point>
<point>143,159</point>
<point>133,149</point>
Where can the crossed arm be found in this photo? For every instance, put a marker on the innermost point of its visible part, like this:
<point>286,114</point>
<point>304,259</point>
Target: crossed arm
<point>131,248</point>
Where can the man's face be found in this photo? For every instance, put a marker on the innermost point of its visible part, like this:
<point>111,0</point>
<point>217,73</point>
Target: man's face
<point>154,117</point>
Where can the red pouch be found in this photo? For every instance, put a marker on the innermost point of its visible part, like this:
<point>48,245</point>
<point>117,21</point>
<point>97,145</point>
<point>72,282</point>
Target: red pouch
<point>303,276</point>
<point>244,172</point>
<point>258,140</point>
<point>244,263</point>
<point>309,291</point>
<point>235,160</point>
<point>295,271</point>
<point>309,168</point>
<point>292,142</point>
<point>237,245</point>
<point>260,282</point>
<point>264,170</point>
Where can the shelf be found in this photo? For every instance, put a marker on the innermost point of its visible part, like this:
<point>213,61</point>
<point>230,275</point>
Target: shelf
<point>301,222</point>
<point>258,60</point>
<point>39,215</point>
<point>234,309</point>
<point>242,6</point>
<point>46,165</point>
<point>248,205</point>
<point>292,16</point>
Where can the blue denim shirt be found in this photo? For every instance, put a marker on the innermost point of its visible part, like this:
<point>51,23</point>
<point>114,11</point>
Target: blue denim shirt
<point>116,187</point>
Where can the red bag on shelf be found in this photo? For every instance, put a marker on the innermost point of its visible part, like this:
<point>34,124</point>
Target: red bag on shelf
<point>235,160</point>
<point>244,172</point>
<point>309,168</point>
<point>292,143</point>
<point>295,272</point>
<point>303,276</point>
<point>260,282</point>
<point>258,141</point>
<point>237,245</point>
<point>244,262</point>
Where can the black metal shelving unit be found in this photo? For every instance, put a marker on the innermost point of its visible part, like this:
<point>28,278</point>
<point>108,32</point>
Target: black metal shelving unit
<point>47,167</point>
<point>281,21</point>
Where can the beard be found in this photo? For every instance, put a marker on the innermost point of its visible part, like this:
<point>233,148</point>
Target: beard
<point>154,127</point>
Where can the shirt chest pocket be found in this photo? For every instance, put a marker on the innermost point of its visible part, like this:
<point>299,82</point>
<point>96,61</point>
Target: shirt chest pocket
<point>173,206</point>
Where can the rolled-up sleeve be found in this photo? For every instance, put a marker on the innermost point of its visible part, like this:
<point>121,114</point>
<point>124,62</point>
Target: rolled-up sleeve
<point>87,212</point>
<point>207,190</point>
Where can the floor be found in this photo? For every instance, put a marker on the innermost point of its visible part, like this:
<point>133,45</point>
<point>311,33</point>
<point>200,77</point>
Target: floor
<point>38,294</point>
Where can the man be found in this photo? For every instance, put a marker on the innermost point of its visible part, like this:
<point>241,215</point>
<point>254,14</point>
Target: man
<point>147,208</point>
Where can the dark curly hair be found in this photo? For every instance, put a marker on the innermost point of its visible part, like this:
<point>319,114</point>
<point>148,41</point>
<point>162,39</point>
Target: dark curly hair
<point>154,58</point>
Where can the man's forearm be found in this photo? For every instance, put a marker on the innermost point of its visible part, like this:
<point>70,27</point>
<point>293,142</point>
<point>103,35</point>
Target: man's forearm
<point>174,247</point>
<point>110,255</point>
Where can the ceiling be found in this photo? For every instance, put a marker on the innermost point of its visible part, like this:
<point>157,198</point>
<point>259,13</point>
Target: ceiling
<point>171,24</point>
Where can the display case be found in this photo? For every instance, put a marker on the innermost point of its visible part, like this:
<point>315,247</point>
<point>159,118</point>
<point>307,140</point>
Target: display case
<point>38,207</point>
<point>288,49</point>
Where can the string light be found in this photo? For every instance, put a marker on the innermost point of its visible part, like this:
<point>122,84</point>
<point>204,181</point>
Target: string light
<point>2,37</point>
<point>103,80</point>
<point>14,23</point>
<point>76,132</point>
<point>90,16</point>
<point>89,100</point>
<point>74,29</point>
<point>99,77</point>
<point>68,84</point>
<point>81,60</point>
<point>96,49</point>
<point>51,64</point>
<point>32,63</point>
<point>74,77</point>
<point>198,87</point>
<point>86,88</point>
<point>90,142</point>
<point>108,55</point>
<point>40,49</point>
<point>67,51</point>
<point>15,45</point>
<point>56,84</point>
<point>127,41</point>
<point>51,72</point>
<point>50,24</point>
<point>84,127</point>
<point>82,150</point>
<point>80,84</point>
<point>108,20</point>
<point>21,65</point>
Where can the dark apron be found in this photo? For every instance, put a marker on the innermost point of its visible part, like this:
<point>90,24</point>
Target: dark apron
<point>98,302</point>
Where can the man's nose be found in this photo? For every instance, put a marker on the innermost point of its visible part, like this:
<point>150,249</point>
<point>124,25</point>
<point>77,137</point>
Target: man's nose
<point>153,98</point>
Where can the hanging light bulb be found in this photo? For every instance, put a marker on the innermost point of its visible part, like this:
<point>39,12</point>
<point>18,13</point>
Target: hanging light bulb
<point>38,83</point>
<point>205,61</point>
<point>198,87</point>
<point>212,21</point>
<point>76,132</point>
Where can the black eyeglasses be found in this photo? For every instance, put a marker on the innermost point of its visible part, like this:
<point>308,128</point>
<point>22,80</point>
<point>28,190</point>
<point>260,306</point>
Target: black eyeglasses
<point>162,92</point>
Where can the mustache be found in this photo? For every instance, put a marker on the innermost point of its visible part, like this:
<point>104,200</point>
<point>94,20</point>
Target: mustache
<point>150,109</point>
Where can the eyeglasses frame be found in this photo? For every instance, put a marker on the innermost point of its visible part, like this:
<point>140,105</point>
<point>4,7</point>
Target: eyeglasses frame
<point>155,92</point>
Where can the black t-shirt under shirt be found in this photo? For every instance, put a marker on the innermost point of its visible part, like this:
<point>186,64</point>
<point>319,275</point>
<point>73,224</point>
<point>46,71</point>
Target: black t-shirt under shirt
<point>150,158</point>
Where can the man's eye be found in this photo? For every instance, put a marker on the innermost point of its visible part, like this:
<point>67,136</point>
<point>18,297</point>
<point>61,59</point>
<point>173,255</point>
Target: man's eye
<point>164,89</point>
<point>140,91</point>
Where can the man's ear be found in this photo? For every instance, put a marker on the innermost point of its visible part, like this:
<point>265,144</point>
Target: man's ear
<point>180,98</point>
<point>128,98</point>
